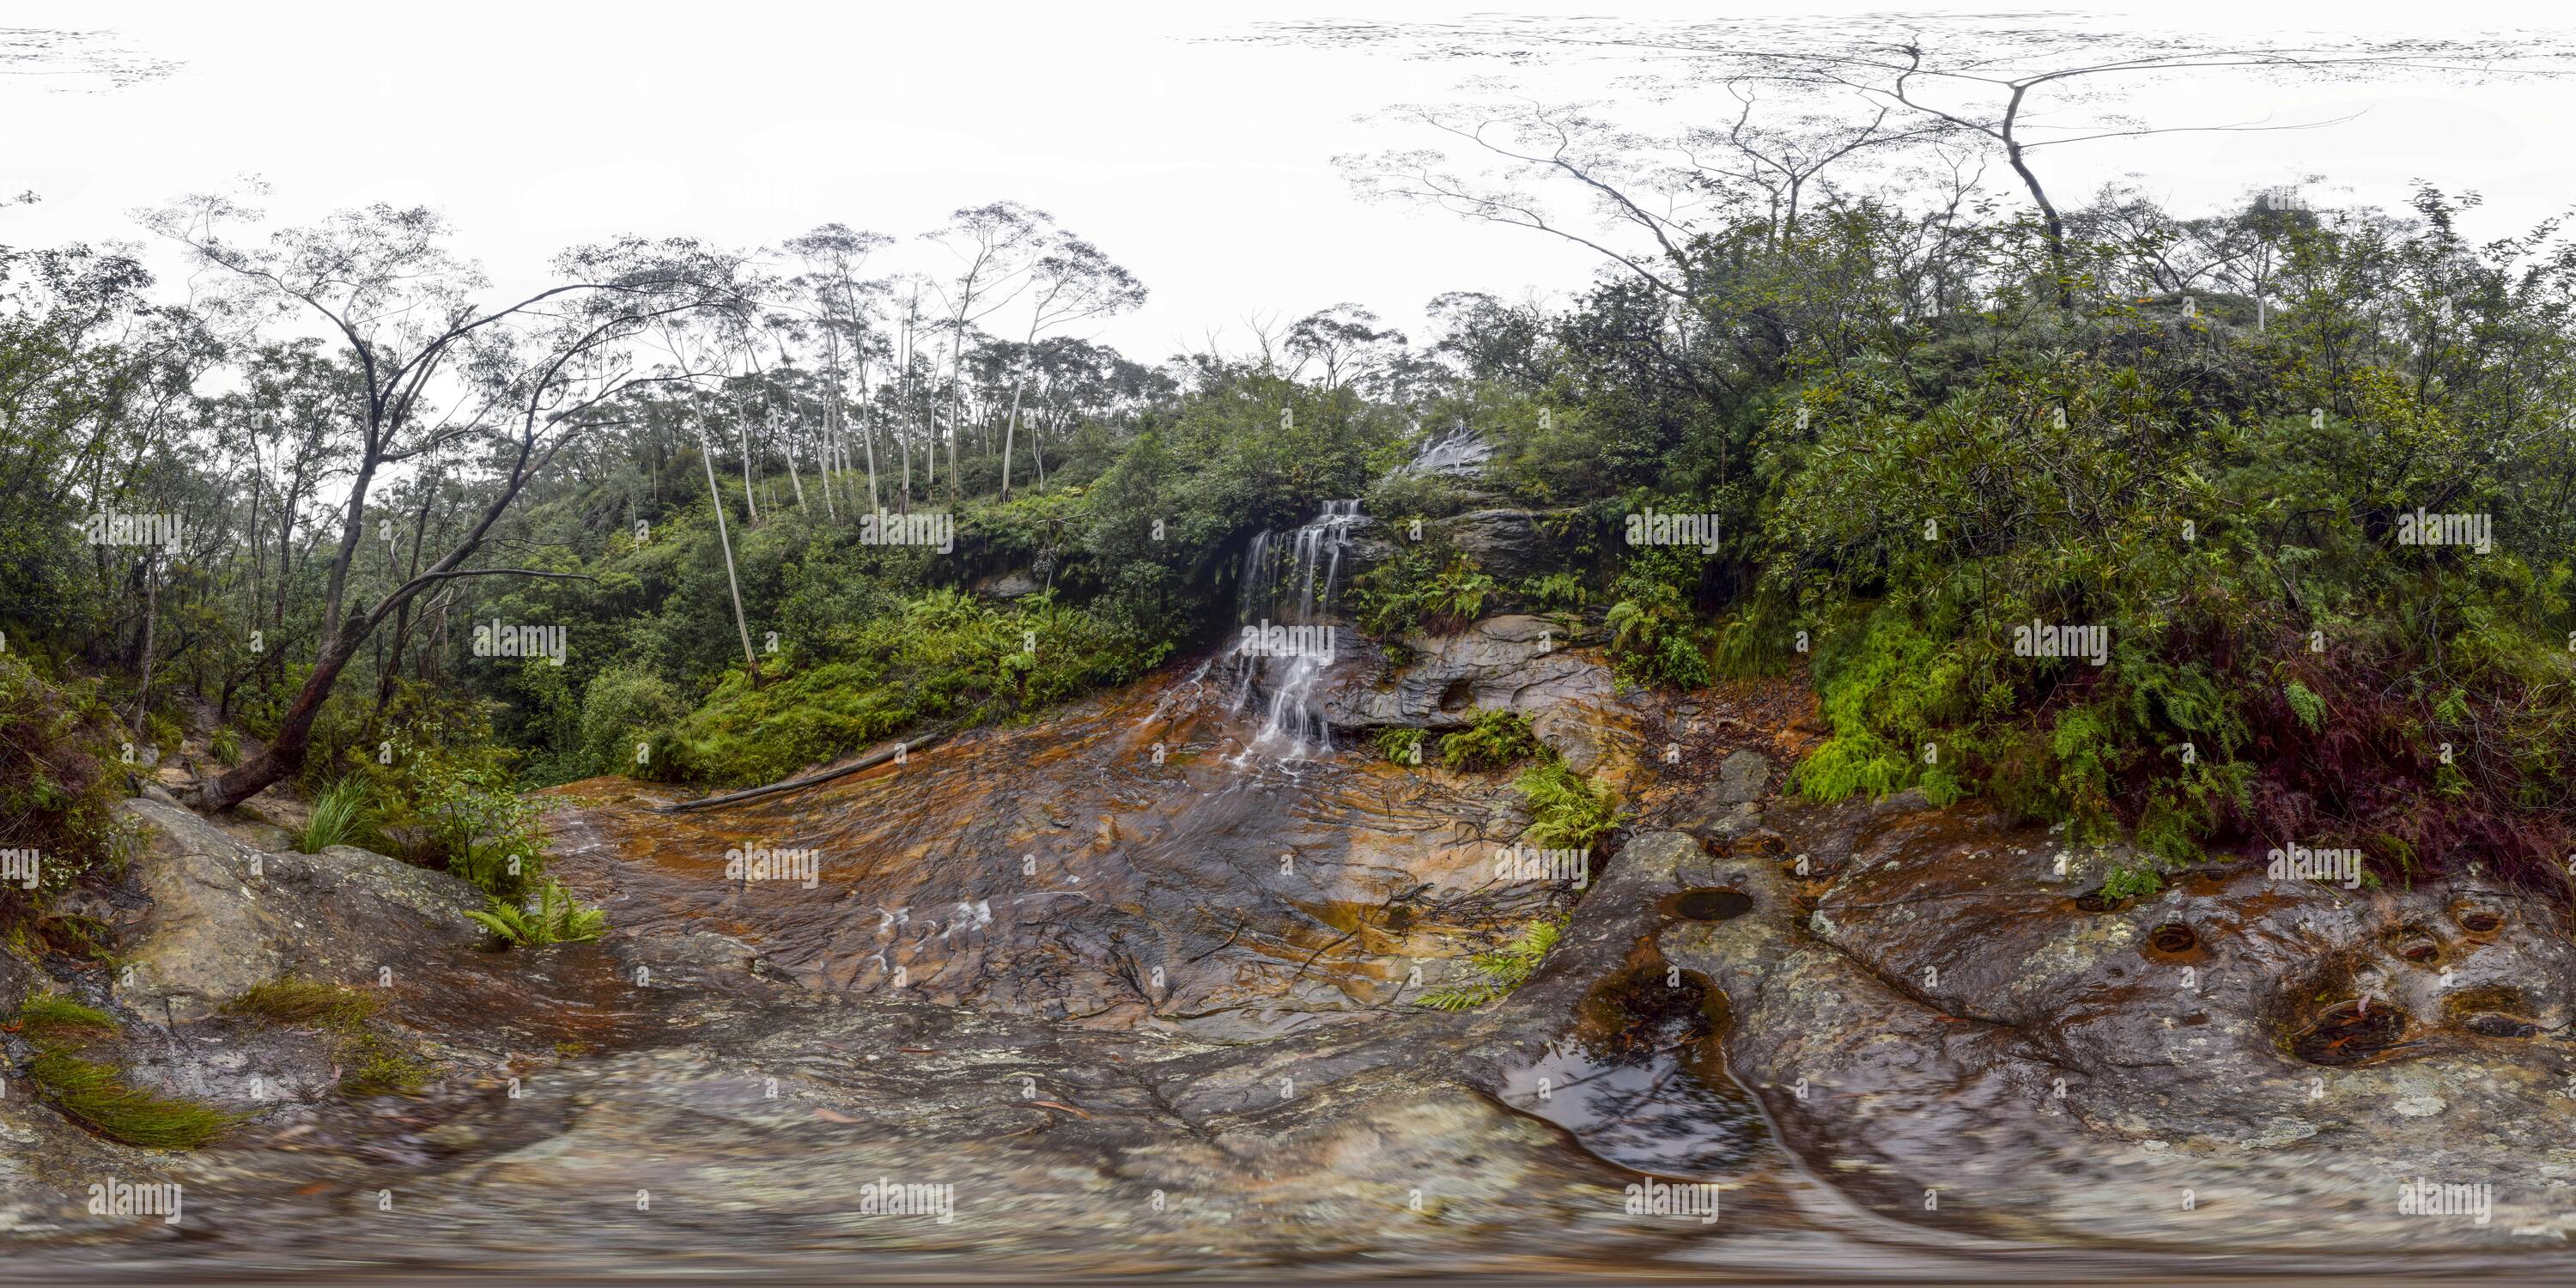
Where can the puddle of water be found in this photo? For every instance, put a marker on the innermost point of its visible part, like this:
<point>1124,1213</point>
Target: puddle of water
<point>1641,1080</point>
<point>1707,905</point>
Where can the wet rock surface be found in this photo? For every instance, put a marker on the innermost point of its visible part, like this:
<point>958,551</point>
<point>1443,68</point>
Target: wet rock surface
<point>217,914</point>
<point>1893,1040</point>
<point>1947,1006</point>
<point>1116,867</point>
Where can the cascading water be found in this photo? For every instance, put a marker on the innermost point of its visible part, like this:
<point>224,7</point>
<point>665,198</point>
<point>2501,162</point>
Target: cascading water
<point>1460,451</point>
<point>1287,597</point>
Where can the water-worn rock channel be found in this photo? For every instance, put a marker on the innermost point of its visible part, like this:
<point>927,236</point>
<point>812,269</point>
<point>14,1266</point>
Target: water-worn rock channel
<point>1153,1017</point>
<point>1146,1003</point>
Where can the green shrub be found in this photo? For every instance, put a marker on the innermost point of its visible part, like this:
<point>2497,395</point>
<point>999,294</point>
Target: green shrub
<point>1410,594</point>
<point>1498,739</point>
<point>58,777</point>
<point>450,801</point>
<point>625,709</point>
<point>1403,746</point>
<point>1655,634</point>
<point>1555,590</point>
<point>225,746</point>
<point>945,658</point>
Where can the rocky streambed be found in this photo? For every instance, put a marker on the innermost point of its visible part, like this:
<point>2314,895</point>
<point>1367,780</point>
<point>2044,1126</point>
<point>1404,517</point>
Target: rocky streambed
<point>1104,995</point>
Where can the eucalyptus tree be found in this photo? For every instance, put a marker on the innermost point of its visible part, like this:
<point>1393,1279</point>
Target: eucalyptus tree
<point>1072,282</point>
<point>440,374</point>
<point>844,305</point>
<point>995,247</point>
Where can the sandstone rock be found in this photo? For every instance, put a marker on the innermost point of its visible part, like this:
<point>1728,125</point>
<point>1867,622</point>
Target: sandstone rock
<point>225,916</point>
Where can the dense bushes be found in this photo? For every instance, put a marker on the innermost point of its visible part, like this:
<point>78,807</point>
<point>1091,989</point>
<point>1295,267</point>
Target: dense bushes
<point>2277,661</point>
<point>946,657</point>
<point>60,762</point>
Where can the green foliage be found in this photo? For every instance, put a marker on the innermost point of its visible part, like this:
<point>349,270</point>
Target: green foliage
<point>1400,745</point>
<point>1555,590</point>
<point>947,657</point>
<point>1567,811</point>
<point>340,816</point>
<point>1498,738</point>
<point>1410,594</point>
<point>95,1096</point>
<point>225,746</point>
<point>1929,536</point>
<point>1501,971</point>
<point>2126,883</point>
<point>52,1015</point>
<point>294,1001</point>
<point>2305,704</point>
<point>57,779</point>
<point>557,919</point>
<point>448,800</point>
<point>623,711</point>
<point>1655,633</point>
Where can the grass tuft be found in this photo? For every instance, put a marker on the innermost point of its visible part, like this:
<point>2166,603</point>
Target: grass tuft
<point>336,1007</point>
<point>339,817</point>
<point>94,1095</point>
<point>52,1015</point>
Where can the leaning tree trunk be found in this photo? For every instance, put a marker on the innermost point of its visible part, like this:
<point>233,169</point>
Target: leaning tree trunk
<point>284,753</point>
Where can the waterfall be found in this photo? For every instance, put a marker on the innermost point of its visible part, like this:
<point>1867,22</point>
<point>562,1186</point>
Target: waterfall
<point>1459,451</point>
<point>1288,592</point>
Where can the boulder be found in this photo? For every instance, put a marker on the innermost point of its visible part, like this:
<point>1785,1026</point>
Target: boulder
<point>224,915</point>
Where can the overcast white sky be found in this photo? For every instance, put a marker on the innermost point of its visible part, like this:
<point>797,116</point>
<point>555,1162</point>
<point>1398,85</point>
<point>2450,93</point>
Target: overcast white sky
<point>1203,167</point>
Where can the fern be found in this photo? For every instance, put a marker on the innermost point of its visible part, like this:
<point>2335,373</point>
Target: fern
<point>557,919</point>
<point>1403,746</point>
<point>1500,737</point>
<point>2305,704</point>
<point>1500,971</point>
<point>1567,812</point>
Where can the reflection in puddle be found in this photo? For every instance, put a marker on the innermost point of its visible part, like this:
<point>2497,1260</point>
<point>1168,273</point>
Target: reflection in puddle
<point>1641,1081</point>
